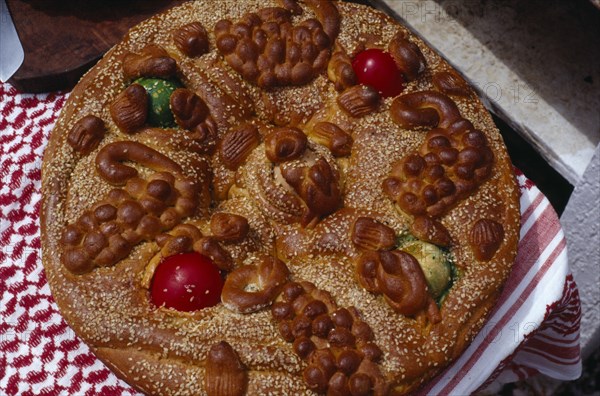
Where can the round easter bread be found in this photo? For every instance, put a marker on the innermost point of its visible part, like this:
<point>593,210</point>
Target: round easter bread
<point>276,197</point>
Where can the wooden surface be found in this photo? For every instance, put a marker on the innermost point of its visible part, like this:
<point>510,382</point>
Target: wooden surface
<point>62,39</point>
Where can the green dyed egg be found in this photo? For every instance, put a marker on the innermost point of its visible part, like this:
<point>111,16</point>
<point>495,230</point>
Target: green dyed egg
<point>159,94</point>
<point>434,264</point>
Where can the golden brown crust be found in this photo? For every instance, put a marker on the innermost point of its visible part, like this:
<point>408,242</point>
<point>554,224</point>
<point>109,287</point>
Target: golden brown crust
<point>247,190</point>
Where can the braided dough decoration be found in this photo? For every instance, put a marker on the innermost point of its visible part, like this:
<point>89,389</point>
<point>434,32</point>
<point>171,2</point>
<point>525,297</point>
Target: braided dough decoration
<point>267,50</point>
<point>394,273</point>
<point>334,341</point>
<point>449,166</point>
<point>139,211</point>
<point>300,184</point>
<point>398,276</point>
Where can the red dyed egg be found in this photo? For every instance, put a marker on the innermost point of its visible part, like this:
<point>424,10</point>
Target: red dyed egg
<point>186,282</point>
<point>376,68</point>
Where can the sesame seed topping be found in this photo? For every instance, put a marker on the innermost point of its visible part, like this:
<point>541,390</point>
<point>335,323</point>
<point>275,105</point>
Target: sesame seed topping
<point>164,351</point>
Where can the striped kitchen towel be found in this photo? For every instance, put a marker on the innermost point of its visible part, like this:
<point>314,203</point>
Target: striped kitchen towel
<point>533,329</point>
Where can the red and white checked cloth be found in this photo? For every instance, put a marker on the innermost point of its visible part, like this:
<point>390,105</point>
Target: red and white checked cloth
<point>533,329</point>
